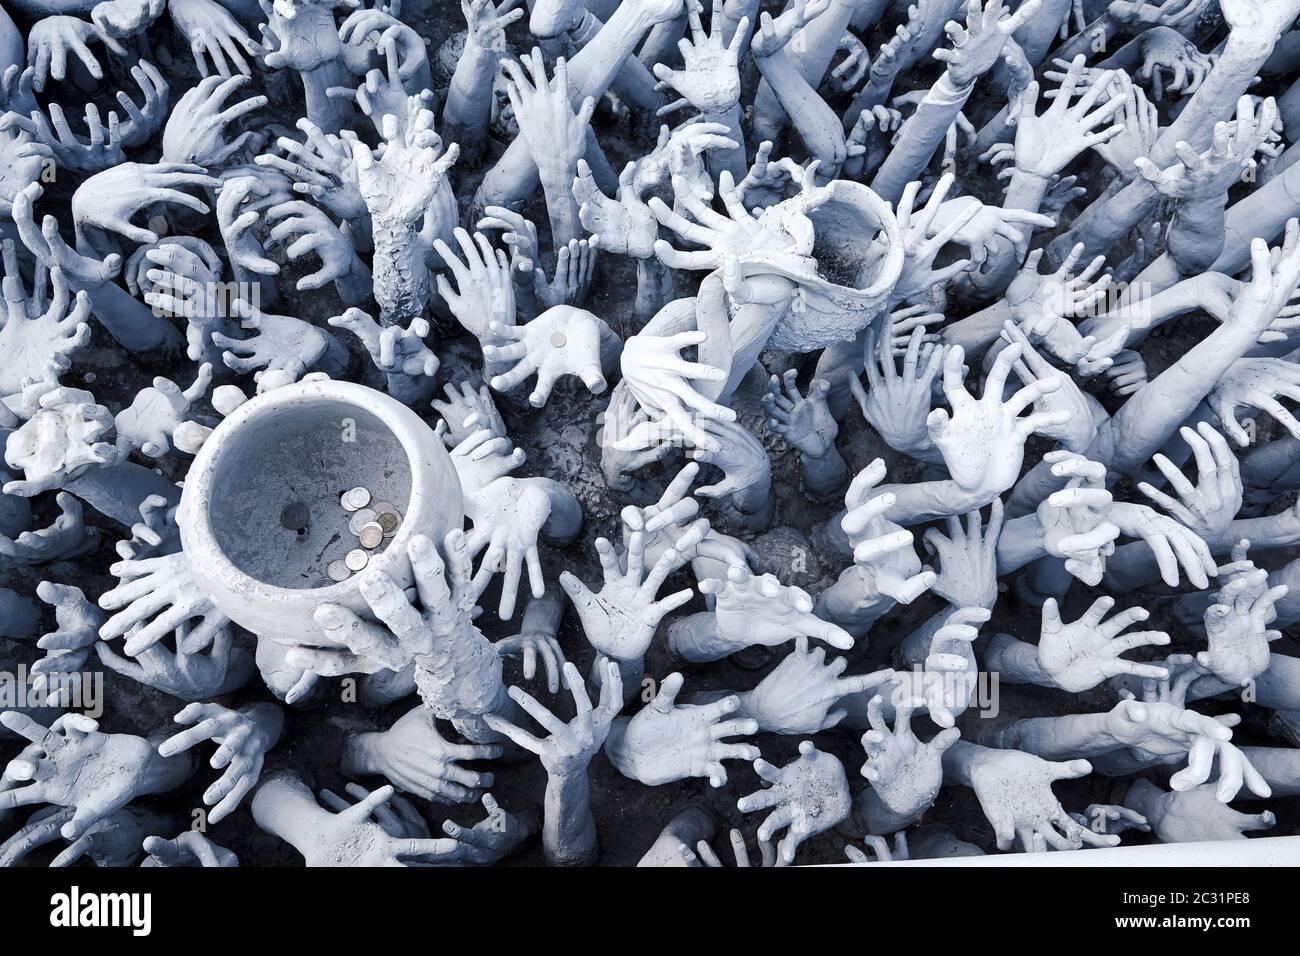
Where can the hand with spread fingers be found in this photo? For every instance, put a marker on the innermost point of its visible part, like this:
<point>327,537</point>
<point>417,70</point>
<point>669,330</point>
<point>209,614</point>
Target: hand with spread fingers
<point>807,797</point>
<point>667,741</point>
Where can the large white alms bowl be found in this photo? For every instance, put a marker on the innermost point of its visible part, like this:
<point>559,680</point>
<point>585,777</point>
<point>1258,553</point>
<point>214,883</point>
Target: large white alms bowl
<point>304,445</point>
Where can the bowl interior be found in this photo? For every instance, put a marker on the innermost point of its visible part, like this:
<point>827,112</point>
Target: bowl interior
<point>843,244</point>
<point>275,510</point>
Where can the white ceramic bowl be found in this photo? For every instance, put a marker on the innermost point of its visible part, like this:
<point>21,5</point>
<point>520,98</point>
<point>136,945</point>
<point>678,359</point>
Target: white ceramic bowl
<point>294,451</point>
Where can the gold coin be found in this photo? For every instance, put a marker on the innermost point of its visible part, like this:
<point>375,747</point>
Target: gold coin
<point>338,571</point>
<point>356,559</point>
<point>388,521</point>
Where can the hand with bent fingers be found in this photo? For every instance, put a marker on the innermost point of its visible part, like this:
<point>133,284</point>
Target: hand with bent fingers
<point>660,380</point>
<point>621,618</point>
<point>1236,627</point>
<point>108,200</point>
<point>1256,383</point>
<point>283,805</point>
<point>303,228</point>
<point>157,412</point>
<point>569,830</point>
<point>1079,430</point>
<point>746,468</point>
<point>463,405</point>
<point>561,341</point>
<point>983,440</point>
<point>760,610</point>
<point>278,343</point>
<point>666,741</point>
<point>531,645</point>
<point>968,559</point>
<point>623,225</point>
<point>39,333</point>
<point>897,406</point>
<point>508,515</point>
<point>218,41</point>
<point>240,205</point>
<point>77,765</point>
<point>198,129</point>
<point>52,39</point>
<point>1206,509</point>
<point>1081,655</point>
<point>161,594</point>
<point>482,458</point>
<point>945,682</point>
<point>922,241</point>
<point>879,545</point>
<point>65,537</point>
<point>494,837</point>
<point>189,848</point>
<point>1165,731</point>
<point>1191,816</point>
<point>60,442</point>
<point>905,774</point>
<point>394,350</point>
<point>809,795</point>
<point>321,168</point>
<point>113,841</point>
<point>805,421</point>
<point>1074,520</point>
<point>186,672</point>
<point>68,647</point>
<point>1043,306</point>
<point>243,737</point>
<point>398,816</point>
<point>1172,543</point>
<point>798,695</point>
<point>415,758</point>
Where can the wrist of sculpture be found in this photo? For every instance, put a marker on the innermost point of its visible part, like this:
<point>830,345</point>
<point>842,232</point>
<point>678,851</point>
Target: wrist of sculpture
<point>401,278</point>
<point>565,519</point>
<point>162,774</point>
<point>1015,661</point>
<point>357,750</point>
<point>695,638</point>
<point>1020,542</point>
<point>354,285</point>
<point>845,604</point>
<point>1146,798</point>
<point>824,474</point>
<point>568,828</point>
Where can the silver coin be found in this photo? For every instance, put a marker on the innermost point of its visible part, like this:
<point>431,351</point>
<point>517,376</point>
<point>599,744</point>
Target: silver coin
<point>356,559</point>
<point>371,535</point>
<point>360,519</point>
<point>338,571</point>
<point>390,521</point>
<point>358,497</point>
